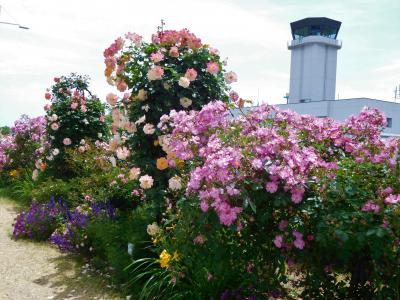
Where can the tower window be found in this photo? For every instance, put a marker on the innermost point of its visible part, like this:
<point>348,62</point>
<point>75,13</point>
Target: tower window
<point>389,122</point>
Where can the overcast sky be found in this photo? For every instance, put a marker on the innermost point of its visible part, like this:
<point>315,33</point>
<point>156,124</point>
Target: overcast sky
<point>70,36</point>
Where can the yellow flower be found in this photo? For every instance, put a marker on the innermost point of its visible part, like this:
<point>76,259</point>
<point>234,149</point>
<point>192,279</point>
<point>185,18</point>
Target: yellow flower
<point>14,173</point>
<point>162,163</point>
<point>176,256</point>
<point>165,258</point>
<point>156,143</point>
<point>180,164</point>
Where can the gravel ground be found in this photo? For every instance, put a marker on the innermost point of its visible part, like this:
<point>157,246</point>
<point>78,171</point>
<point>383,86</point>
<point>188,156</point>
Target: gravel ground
<point>38,271</point>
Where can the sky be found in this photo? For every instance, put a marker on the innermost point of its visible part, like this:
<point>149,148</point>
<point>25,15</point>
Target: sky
<point>70,36</point>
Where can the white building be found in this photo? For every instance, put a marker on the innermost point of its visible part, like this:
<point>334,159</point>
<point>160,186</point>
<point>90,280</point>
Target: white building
<point>313,76</point>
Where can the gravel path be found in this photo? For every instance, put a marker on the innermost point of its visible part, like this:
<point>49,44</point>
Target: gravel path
<point>38,271</point>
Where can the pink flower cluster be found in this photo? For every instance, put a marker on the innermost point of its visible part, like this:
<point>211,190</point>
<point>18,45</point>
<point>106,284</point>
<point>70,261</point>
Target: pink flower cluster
<point>182,38</point>
<point>279,150</point>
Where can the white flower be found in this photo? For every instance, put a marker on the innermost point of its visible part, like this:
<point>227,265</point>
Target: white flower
<point>50,157</point>
<point>113,161</point>
<point>55,152</point>
<point>134,173</point>
<point>86,121</point>
<point>35,174</point>
<point>38,164</point>
<point>54,126</point>
<point>153,229</point>
<point>130,248</point>
<point>123,153</point>
<point>146,182</point>
<point>175,183</point>
<point>185,102</point>
<point>146,108</point>
<point>81,149</point>
<point>230,77</point>
<point>184,82</point>
<point>82,142</point>
<point>141,120</point>
<point>54,117</point>
<point>149,128</point>
<point>99,135</point>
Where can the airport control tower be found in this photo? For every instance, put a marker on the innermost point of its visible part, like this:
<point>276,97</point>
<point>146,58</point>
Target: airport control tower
<point>313,61</point>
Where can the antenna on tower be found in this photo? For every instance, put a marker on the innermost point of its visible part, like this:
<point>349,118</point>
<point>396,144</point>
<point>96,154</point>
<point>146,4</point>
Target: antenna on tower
<point>397,93</point>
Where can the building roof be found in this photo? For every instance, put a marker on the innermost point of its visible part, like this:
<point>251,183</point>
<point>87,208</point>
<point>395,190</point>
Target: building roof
<point>315,26</point>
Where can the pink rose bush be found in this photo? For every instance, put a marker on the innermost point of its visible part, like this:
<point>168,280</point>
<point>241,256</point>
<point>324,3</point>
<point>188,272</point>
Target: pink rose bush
<point>74,114</point>
<point>175,71</point>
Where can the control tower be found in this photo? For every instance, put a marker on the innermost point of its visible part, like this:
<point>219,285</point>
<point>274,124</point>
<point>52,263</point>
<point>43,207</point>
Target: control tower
<point>313,59</point>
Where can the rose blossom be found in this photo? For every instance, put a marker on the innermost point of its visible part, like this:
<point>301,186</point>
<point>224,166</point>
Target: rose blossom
<point>230,77</point>
<point>122,86</point>
<point>199,240</point>
<point>155,73</point>
<point>146,182</point>
<point>55,152</point>
<point>54,126</point>
<point>212,67</point>
<point>174,52</point>
<point>67,141</point>
<point>134,173</point>
<point>142,95</point>
<point>184,82</point>
<point>191,74</point>
<point>157,57</point>
<point>47,96</point>
<point>74,105</point>
<point>83,108</point>
<point>185,102</point>
<point>153,229</point>
<point>122,153</point>
<point>175,183</point>
<point>112,99</point>
<point>149,128</point>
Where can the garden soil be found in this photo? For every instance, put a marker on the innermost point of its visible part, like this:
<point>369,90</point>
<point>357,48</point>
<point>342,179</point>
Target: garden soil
<point>38,271</point>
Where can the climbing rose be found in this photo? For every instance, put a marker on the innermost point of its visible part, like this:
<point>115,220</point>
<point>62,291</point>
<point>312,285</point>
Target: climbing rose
<point>67,141</point>
<point>230,77</point>
<point>146,182</point>
<point>155,73</point>
<point>149,128</point>
<point>184,82</point>
<point>212,67</point>
<point>191,74</point>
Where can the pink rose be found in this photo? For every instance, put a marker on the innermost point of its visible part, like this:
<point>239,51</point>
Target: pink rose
<point>157,57</point>
<point>122,86</point>
<point>47,107</point>
<point>174,52</point>
<point>112,99</point>
<point>102,119</point>
<point>67,141</point>
<point>230,77</point>
<point>74,105</point>
<point>47,96</point>
<point>57,79</point>
<point>155,73</point>
<point>191,74</point>
<point>212,67</point>
<point>83,108</point>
